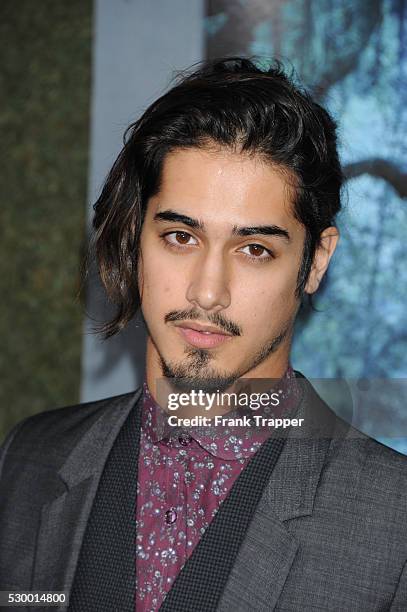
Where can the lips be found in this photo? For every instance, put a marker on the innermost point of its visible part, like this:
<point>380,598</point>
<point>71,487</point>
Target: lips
<point>203,337</point>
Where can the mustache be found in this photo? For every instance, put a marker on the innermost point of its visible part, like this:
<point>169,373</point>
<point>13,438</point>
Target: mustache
<point>216,319</point>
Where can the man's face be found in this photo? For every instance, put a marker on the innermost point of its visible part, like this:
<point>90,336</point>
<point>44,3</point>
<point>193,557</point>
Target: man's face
<point>220,248</point>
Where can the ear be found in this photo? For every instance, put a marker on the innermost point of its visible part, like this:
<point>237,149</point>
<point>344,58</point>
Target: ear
<point>323,253</point>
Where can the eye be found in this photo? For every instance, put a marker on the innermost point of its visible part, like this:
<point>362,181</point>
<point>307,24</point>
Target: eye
<point>258,252</point>
<point>178,239</point>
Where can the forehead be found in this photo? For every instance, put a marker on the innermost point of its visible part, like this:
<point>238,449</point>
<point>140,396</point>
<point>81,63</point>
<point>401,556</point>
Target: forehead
<point>225,187</point>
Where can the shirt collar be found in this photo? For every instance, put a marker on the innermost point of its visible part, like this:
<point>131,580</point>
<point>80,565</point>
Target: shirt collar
<point>229,442</point>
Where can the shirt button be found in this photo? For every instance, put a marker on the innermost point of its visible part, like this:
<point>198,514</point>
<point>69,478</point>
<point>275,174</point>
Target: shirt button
<point>170,516</point>
<point>185,439</point>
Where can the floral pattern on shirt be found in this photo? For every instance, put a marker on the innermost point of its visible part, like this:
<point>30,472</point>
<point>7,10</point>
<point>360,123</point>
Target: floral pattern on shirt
<point>183,477</point>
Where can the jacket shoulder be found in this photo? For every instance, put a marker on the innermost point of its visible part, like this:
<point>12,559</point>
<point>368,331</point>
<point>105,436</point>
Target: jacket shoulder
<point>376,473</point>
<point>348,444</point>
<point>385,463</point>
<point>58,430</point>
<point>372,451</point>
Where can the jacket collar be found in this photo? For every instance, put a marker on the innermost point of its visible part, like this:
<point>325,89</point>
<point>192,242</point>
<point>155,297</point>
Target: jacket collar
<point>88,457</point>
<point>303,456</point>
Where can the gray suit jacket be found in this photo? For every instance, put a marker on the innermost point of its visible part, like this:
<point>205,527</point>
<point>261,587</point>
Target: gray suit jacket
<point>329,532</point>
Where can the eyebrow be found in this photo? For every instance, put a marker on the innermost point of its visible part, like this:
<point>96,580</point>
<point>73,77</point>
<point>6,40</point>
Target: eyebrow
<point>172,216</point>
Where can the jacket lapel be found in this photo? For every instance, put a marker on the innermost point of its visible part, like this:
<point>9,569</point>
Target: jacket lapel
<point>64,518</point>
<point>105,574</point>
<point>269,549</point>
<point>261,567</point>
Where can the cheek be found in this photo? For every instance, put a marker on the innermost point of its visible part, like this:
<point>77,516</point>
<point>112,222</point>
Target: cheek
<point>161,283</point>
<point>152,264</point>
<point>267,297</point>
<point>273,288</point>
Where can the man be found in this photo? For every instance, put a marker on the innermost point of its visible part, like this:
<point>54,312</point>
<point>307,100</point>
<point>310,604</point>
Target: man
<point>217,218</point>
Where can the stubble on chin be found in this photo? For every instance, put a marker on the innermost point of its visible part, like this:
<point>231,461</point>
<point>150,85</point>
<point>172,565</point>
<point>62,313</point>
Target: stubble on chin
<point>195,373</point>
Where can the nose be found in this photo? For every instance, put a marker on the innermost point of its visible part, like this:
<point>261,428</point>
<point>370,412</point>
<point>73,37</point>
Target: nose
<point>209,285</point>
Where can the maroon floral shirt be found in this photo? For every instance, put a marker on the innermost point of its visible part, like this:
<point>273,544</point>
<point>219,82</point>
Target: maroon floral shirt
<point>183,477</point>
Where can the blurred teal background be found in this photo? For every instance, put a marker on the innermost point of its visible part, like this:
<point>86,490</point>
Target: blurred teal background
<point>352,55</point>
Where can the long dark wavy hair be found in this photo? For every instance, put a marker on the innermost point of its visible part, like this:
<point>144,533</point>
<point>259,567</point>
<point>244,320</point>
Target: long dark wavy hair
<point>235,103</point>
